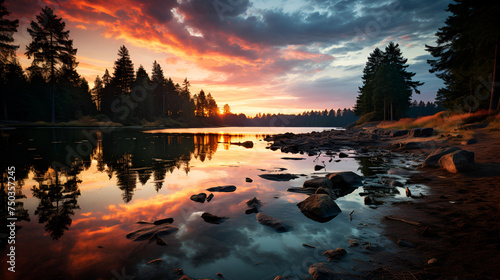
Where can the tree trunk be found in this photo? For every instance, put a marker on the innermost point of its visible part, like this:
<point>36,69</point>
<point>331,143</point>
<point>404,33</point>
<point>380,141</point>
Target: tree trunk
<point>392,117</point>
<point>494,92</point>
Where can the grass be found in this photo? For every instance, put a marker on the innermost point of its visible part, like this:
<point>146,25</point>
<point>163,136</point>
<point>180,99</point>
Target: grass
<point>445,121</point>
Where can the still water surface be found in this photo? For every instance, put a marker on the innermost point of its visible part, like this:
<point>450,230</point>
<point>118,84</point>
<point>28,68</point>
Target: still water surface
<point>80,192</point>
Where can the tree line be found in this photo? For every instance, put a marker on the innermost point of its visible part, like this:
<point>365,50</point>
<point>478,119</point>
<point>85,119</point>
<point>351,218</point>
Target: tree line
<point>51,89</point>
<point>465,58</point>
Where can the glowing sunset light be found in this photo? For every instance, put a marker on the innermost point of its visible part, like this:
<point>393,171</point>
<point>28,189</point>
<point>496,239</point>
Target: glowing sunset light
<point>256,56</point>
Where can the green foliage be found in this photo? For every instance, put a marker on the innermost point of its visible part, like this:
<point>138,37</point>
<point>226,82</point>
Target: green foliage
<point>464,56</point>
<point>387,85</point>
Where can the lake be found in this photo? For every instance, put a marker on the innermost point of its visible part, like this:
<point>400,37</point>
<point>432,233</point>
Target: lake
<point>81,191</point>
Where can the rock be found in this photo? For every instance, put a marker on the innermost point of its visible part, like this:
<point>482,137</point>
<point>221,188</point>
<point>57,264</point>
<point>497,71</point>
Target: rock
<point>148,232</point>
<point>272,222</point>
<point>219,274</point>
<point>279,177</point>
<point>318,167</point>
<point>319,207</point>
<point>433,159</point>
<point>403,243</point>
<point>343,155</point>
<point>353,243</point>
<point>421,132</point>
<point>345,179</point>
<point>322,271</point>
<point>363,150</point>
<point>179,271</point>
<point>432,261</point>
<point>164,221</point>
<point>408,192</point>
<point>254,202</point>
<point>302,190</point>
<point>334,254</point>
<point>368,200</point>
<point>210,197</point>
<point>222,189</point>
<point>469,141</point>
<point>398,133</point>
<point>212,219</point>
<point>158,240</point>
<point>248,180</point>
<point>457,161</point>
<point>327,191</point>
<point>318,182</point>
<point>252,210</point>
<point>395,183</point>
<point>293,158</point>
<point>201,197</point>
<point>246,144</point>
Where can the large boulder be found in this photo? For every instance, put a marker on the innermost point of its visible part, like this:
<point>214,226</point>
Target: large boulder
<point>318,182</point>
<point>346,179</point>
<point>421,132</point>
<point>264,219</point>
<point>319,207</point>
<point>334,254</point>
<point>457,161</point>
<point>433,159</point>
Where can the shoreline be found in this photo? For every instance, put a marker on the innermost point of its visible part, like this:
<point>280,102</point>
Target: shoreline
<point>458,236</point>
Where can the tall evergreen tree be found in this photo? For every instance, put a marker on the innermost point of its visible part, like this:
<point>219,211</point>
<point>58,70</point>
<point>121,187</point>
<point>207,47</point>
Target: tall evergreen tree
<point>159,92</point>
<point>201,104</point>
<point>51,48</point>
<point>364,102</point>
<point>123,75</point>
<point>97,92</point>
<point>387,85</point>
<point>465,56</point>
<point>106,78</point>
<point>7,52</point>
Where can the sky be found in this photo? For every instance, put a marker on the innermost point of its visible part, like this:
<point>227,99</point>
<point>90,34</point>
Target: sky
<point>274,56</point>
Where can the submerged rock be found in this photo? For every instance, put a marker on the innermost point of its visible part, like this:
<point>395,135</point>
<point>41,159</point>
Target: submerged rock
<point>319,207</point>
<point>318,182</point>
<point>164,221</point>
<point>343,155</point>
<point>212,219</point>
<point>433,159</point>
<point>265,219</point>
<point>318,167</point>
<point>327,191</point>
<point>334,254</point>
<point>345,179</point>
<point>210,197</point>
<point>279,177</point>
<point>322,271</point>
<point>248,180</point>
<point>469,141</point>
<point>302,190</point>
<point>246,144</point>
<point>222,189</point>
<point>148,232</point>
<point>457,161</point>
<point>201,197</point>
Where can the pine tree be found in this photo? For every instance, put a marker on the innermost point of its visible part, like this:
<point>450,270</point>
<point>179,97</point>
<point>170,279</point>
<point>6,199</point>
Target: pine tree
<point>465,56</point>
<point>159,92</point>
<point>106,78</point>
<point>123,75</point>
<point>212,108</point>
<point>201,104</point>
<point>7,52</point>
<point>387,85</point>
<point>142,85</point>
<point>51,48</point>
<point>364,102</point>
<point>226,109</point>
<point>97,93</point>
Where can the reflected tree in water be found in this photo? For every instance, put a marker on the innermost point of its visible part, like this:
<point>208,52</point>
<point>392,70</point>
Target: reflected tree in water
<point>58,192</point>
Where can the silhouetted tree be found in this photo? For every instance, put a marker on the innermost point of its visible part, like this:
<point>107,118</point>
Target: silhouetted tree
<point>465,56</point>
<point>123,75</point>
<point>51,48</point>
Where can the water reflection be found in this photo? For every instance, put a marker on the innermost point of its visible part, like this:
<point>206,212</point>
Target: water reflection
<point>57,156</point>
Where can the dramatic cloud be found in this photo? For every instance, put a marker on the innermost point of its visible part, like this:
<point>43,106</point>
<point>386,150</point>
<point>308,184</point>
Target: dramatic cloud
<point>269,48</point>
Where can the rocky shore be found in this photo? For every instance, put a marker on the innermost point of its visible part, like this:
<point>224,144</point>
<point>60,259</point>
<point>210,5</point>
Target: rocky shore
<point>450,232</point>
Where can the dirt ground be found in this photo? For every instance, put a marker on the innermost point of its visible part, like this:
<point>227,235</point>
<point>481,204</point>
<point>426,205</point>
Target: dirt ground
<point>460,220</point>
